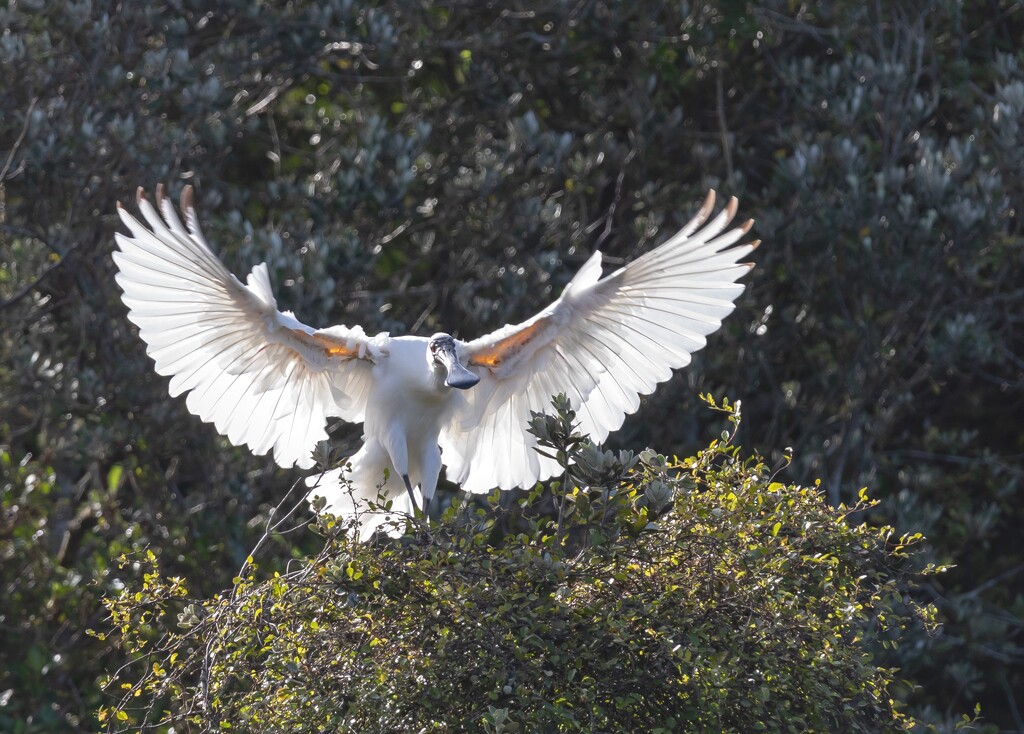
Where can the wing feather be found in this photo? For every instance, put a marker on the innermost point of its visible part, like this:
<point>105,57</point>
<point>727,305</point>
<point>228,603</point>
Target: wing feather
<point>604,342</point>
<point>261,377</point>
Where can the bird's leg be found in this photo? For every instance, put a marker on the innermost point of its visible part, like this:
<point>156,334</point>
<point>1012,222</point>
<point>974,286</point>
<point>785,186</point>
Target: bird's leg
<point>412,495</point>
<point>430,463</point>
<point>398,450</point>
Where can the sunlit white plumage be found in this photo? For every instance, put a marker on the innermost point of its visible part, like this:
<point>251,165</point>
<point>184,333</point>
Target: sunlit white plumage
<point>267,381</point>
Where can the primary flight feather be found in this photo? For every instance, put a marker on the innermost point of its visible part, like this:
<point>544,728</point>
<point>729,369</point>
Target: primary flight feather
<point>268,381</point>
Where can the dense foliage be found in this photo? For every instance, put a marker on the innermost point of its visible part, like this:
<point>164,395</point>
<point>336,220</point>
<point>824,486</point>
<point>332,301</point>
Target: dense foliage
<point>661,597</point>
<point>419,166</point>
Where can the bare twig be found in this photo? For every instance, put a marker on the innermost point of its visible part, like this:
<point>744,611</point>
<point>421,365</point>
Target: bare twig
<point>271,527</point>
<point>27,289</point>
<point>723,128</point>
<point>395,232</point>
<point>18,142</point>
<point>609,216</point>
<point>262,104</point>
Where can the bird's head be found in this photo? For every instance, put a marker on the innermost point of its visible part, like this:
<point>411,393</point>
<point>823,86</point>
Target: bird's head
<point>443,352</point>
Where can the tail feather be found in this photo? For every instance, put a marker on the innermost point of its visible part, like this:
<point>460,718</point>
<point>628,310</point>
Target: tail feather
<point>361,491</point>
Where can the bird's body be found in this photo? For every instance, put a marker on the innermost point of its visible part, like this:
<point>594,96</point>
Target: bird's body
<point>270,382</point>
<point>407,407</point>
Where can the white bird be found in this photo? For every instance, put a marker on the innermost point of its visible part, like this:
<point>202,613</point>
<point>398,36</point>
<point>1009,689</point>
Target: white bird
<point>268,381</point>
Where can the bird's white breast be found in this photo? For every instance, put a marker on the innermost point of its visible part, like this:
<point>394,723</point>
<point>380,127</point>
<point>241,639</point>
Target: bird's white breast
<point>408,395</point>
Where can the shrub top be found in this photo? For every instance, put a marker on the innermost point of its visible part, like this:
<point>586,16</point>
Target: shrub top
<point>634,594</point>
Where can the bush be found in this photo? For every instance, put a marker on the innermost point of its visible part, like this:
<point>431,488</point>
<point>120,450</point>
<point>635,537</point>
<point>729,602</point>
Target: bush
<point>695,595</point>
<point>415,167</point>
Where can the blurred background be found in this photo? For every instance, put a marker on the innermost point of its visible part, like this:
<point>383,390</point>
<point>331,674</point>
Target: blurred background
<point>423,166</point>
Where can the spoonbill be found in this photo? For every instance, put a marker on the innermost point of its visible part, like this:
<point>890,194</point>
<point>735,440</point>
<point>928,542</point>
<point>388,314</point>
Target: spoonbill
<point>269,382</point>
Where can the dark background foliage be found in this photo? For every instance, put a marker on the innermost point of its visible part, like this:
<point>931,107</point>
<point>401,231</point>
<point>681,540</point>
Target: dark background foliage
<point>424,166</point>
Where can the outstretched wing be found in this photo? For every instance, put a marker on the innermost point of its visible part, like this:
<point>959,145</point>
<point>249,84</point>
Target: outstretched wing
<point>260,376</point>
<point>603,343</point>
